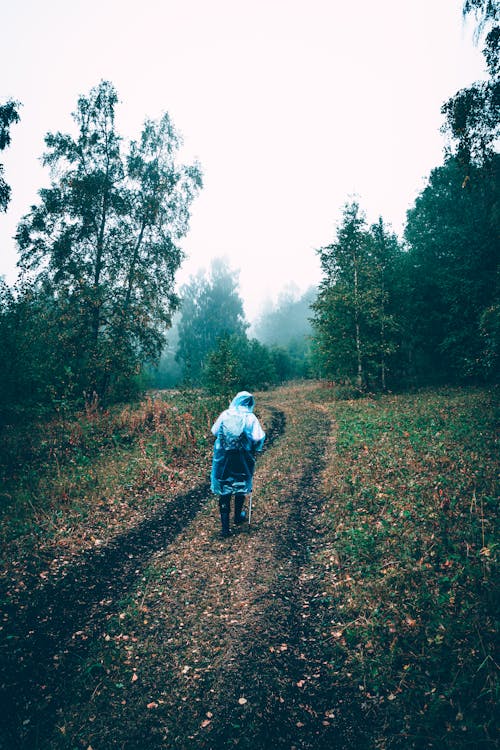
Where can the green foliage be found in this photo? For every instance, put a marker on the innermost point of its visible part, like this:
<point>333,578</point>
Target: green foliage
<point>9,114</point>
<point>223,370</point>
<point>472,120</point>
<point>339,308</point>
<point>490,330</point>
<point>484,10</point>
<point>102,243</point>
<point>452,233</point>
<point>32,371</point>
<point>385,318</point>
<point>239,363</point>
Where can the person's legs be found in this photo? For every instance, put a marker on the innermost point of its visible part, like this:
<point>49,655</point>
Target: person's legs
<point>239,514</point>
<point>224,502</point>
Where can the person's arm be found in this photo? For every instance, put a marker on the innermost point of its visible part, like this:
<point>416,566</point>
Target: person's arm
<point>257,435</point>
<point>259,445</point>
<point>216,425</point>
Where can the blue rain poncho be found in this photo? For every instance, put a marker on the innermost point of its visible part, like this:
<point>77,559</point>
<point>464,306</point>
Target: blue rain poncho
<point>239,435</point>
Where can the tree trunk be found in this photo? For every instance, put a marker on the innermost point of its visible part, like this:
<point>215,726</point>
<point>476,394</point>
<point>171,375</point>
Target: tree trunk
<point>96,311</point>
<point>359,376</point>
<point>133,264</point>
<point>382,340</point>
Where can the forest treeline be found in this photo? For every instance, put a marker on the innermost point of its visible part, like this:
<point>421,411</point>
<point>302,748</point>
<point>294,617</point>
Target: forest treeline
<point>423,311</point>
<point>95,315</point>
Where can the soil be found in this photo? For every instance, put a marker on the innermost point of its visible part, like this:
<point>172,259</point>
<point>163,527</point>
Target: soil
<point>230,636</point>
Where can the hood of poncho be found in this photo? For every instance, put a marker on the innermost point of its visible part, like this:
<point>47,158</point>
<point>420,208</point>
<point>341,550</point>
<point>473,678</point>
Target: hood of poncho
<point>243,401</point>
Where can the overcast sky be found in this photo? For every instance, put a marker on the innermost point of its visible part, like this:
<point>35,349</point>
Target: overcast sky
<point>291,107</point>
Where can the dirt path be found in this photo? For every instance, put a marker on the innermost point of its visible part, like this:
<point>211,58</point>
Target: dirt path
<point>280,666</point>
<point>172,638</point>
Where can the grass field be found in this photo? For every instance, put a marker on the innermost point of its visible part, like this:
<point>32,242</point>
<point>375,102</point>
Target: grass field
<point>362,602</point>
<point>410,559</point>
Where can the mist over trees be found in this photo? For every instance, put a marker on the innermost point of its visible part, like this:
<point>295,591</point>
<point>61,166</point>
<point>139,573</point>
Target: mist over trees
<point>286,327</point>
<point>211,308</point>
<point>213,346</point>
<point>99,252</point>
<point>287,319</point>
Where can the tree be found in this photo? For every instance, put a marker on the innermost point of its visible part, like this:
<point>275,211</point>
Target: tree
<point>385,251</point>
<point>105,238</point>
<point>452,233</point>
<point>35,368</point>
<point>211,308</point>
<point>473,114</point>
<point>259,365</point>
<point>9,114</point>
<point>484,11</point>
<point>339,311</point>
<point>239,363</point>
<point>222,373</point>
<point>355,314</point>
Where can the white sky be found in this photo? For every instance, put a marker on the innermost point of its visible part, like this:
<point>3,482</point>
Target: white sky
<point>291,106</point>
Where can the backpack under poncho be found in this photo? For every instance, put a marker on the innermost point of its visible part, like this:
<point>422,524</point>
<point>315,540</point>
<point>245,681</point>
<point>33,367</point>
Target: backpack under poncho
<point>231,434</point>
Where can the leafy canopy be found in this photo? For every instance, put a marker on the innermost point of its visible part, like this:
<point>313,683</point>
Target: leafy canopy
<point>104,238</point>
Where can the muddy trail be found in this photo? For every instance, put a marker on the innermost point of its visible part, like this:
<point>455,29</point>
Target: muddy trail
<point>282,666</point>
<point>44,636</point>
<point>232,645</point>
<point>48,632</point>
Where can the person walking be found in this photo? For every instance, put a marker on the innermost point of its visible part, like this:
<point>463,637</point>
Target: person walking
<point>239,436</point>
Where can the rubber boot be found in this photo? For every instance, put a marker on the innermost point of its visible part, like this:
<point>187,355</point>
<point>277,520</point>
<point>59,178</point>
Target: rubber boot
<point>239,513</point>
<point>224,519</point>
<point>224,514</point>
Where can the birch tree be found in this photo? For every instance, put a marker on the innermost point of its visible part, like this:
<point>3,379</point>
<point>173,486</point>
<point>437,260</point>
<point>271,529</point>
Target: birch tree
<point>340,309</point>
<point>105,235</point>
<point>385,250</point>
